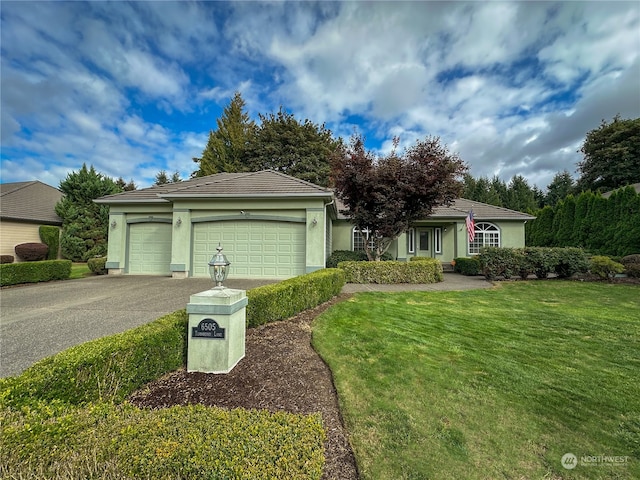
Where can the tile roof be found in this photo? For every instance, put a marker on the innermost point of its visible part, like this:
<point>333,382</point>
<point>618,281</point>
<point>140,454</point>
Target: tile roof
<point>29,202</point>
<point>266,183</point>
<point>460,207</point>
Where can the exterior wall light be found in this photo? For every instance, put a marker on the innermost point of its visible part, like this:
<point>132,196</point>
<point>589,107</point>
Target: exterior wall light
<point>178,222</point>
<point>219,268</point>
<point>113,224</point>
<point>314,221</point>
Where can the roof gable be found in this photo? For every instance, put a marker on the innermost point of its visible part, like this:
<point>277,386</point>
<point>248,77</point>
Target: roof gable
<point>31,201</point>
<point>265,183</point>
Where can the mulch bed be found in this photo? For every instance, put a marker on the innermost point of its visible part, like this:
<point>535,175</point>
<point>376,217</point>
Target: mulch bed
<point>280,372</point>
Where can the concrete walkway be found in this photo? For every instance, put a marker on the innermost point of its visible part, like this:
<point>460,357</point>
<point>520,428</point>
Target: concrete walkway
<point>39,320</point>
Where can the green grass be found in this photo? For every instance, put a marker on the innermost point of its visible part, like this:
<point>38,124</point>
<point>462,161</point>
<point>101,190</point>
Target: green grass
<point>489,384</point>
<point>79,270</point>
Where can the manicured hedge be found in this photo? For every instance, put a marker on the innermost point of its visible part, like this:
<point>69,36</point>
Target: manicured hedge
<point>106,369</point>
<point>6,259</point>
<point>32,252</point>
<point>428,270</point>
<point>509,262</point>
<point>350,256</point>
<point>97,265</point>
<point>467,266</point>
<point>604,267</point>
<point>50,236</point>
<point>109,441</point>
<point>285,299</point>
<point>34,272</point>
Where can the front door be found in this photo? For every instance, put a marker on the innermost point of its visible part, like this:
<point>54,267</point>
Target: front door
<point>425,236</point>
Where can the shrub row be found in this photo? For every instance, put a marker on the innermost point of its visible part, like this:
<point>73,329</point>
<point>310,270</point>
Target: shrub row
<point>509,262</point>
<point>350,256</point>
<point>604,267</point>
<point>285,299</point>
<point>34,272</point>
<point>106,369</point>
<point>467,266</point>
<point>428,270</point>
<point>97,265</point>
<point>195,442</point>
<point>631,265</point>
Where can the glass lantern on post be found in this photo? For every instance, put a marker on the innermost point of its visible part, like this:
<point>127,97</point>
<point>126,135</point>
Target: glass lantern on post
<point>219,268</point>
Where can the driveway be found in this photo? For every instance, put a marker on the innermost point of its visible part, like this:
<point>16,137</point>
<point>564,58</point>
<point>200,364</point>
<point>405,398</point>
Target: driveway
<point>39,320</point>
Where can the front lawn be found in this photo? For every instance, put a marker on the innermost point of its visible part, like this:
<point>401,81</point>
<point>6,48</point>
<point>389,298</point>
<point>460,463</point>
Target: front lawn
<point>489,384</point>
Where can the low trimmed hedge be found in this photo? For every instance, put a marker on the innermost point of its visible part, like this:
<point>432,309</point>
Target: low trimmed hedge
<point>106,369</point>
<point>110,441</point>
<point>278,301</point>
<point>97,265</point>
<point>338,256</point>
<point>34,272</point>
<point>428,270</point>
<point>32,251</point>
<point>467,266</point>
<point>631,265</point>
<point>541,261</point>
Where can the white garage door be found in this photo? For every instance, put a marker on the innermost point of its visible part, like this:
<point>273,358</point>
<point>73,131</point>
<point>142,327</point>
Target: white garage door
<point>256,249</point>
<point>150,248</point>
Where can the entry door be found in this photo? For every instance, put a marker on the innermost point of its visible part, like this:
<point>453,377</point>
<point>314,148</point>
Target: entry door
<point>425,242</point>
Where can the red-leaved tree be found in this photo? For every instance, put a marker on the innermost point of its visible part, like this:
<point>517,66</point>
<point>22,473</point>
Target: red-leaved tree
<point>385,195</point>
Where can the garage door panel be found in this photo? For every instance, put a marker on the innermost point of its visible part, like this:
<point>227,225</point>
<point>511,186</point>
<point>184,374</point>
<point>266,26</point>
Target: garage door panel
<point>254,248</point>
<point>149,249</point>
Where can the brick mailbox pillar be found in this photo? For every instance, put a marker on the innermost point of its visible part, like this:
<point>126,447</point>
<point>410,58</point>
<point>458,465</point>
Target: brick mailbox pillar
<point>217,325</point>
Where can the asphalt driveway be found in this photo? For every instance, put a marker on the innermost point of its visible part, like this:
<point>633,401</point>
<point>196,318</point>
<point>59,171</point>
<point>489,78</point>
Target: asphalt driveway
<point>39,320</point>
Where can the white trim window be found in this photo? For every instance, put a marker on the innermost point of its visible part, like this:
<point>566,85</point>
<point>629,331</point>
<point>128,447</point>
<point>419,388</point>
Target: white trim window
<point>437,240</point>
<point>486,235</point>
<point>411,240</point>
<point>359,238</point>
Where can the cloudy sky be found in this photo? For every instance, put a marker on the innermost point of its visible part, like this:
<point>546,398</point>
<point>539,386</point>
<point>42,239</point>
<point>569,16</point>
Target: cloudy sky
<point>134,88</point>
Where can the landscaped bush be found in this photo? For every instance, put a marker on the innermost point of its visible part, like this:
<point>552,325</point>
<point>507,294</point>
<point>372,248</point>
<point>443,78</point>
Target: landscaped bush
<point>350,256</point>
<point>541,261</point>
<point>50,235</point>
<point>110,441</point>
<point>34,272</point>
<point>604,267</point>
<point>278,301</point>
<point>631,265</point>
<point>425,271</point>
<point>106,369</point>
<point>6,259</point>
<point>32,252</point>
<point>97,265</point>
<point>467,266</point>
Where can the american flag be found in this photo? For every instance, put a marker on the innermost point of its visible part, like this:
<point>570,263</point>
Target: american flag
<point>471,226</point>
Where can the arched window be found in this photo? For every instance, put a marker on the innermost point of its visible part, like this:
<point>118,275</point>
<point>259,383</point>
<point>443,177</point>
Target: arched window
<point>359,239</point>
<point>486,235</point>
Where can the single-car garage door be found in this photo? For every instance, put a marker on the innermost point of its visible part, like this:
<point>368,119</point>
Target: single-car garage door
<point>150,248</point>
<point>256,249</point>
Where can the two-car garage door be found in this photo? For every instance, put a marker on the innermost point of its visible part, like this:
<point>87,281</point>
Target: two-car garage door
<point>256,249</point>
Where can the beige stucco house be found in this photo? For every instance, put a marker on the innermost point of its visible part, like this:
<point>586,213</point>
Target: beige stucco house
<point>24,206</point>
<point>272,226</point>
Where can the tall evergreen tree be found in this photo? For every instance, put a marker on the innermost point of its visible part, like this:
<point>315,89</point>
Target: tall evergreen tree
<point>561,186</point>
<point>225,150</point>
<point>84,222</point>
<point>520,195</point>
<point>300,149</point>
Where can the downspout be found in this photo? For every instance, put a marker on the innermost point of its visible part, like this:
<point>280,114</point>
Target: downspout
<point>324,240</point>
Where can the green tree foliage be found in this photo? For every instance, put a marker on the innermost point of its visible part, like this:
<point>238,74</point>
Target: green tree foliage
<point>226,148</point>
<point>611,155</point>
<point>124,186</point>
<point>386,194</point>
<point>300,149</point>
<point>606,226</point>
<point>517,195</point>
<point>561,186</point>
<point>520,196</point>
<point>84,222</point>
<point>163,179</point>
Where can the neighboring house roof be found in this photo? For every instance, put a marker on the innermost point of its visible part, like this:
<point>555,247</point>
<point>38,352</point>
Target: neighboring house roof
<point>460,207</point>
<point>32,202</point>
<point>636,187</point>
<point>266,183</point>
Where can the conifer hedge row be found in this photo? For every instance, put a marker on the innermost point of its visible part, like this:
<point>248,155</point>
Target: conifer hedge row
<point>606,226</point>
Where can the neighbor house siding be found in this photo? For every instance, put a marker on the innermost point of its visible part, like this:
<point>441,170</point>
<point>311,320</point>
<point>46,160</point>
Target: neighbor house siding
<point>15,233</point>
